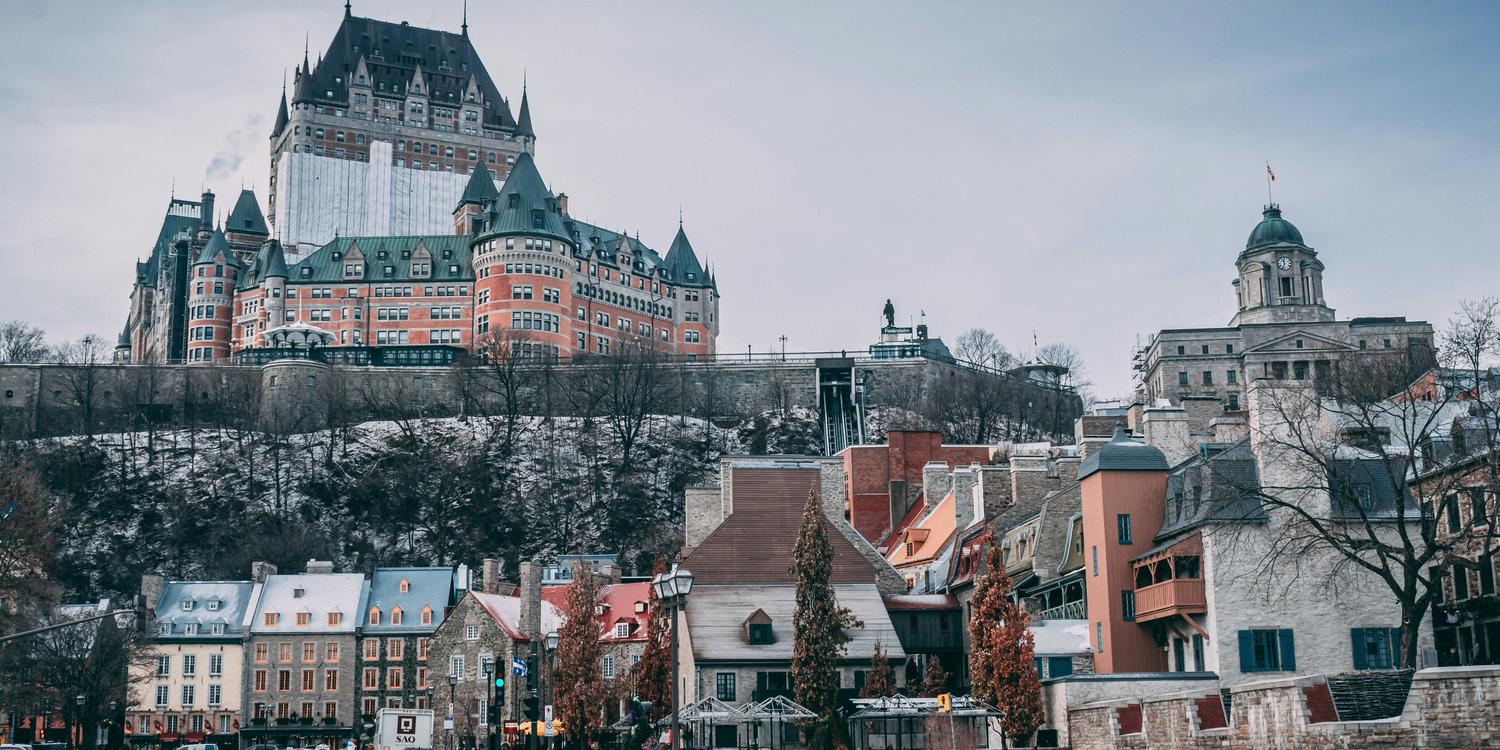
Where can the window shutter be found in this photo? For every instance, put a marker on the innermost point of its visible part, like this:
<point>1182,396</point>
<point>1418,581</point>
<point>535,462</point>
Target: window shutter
<point>1288,652</point>
<point>1247,652</point>
<point>1396,648</point>
<point>1357,637</point>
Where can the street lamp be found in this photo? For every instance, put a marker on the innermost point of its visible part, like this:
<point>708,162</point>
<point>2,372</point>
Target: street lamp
<point>77,723</point>
<point>448,721</point>
<point>673,587</point>
<point>488,666</point>
<point>549,676</point>
<point>114,709</point>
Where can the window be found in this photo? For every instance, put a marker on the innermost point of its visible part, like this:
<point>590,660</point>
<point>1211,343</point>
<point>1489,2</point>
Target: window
<point>309,652</point>
<point>1460,584</point>
<point>1122,527</point>
<point>1478,514</point>
<point>303,618</point>
<point>1208,377</point>
<point>404,586</point>
<point>189,665</point>
<point>1375,648</point>
<point>1059,666</point>
<point>284,652</point>
<point>622,630</point>
<point>1182,378</point>
<point>333,652</point>
<point>1267,651</point>
<point>163,666</point>
<point>471,633</point>
<point>260,679</point>
<point>426,615</point>
<point>1181,350</point>
<point>456,665</point>
<point>270,619</point>
<point>1454,522</point>
<point>1231,377</point>
<point>283,679</point>
<point>309,679</point>
<point>395,615</point>
<point>371,678</point>
<point>1099,637</point>
<point>372,648</point>
<point>422,645</point>
<point>724,682</point>
<point>163,693</point>
<point>215,695</point>
<point>1127,605</point>
<point>215,665</point>
<point>607,667</point>
<point>1286,286</point>
<point>1095,550</point>
<point>375,611</point>
<point>761,634</point>
<point>393,678</point>
<point>395,649</point>
<point>330,681</point>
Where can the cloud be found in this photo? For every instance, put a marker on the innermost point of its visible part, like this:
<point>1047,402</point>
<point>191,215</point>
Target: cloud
<point>236,144</point>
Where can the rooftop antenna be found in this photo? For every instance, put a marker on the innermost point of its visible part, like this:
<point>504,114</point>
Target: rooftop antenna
<point>347,10</point>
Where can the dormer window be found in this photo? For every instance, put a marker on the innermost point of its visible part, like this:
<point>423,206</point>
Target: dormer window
<point>298,593</point>
<point>213,605</point>
<point>218,628</point>
<point>426,615</point>
<point>164,629</point>
<point>640,606</point>
<point>536,218</point>
<point>760,634</point>
<point>187,605</point>
<point>190,628</point>
<point>622,630</point>
<point>396,616</point>
<point>404,586</point>
<point>374,616</point>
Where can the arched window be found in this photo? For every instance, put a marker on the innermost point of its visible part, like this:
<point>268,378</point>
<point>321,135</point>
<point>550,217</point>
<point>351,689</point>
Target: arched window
<point>427,615</point>
<point>374,616</point>
<point>395,615</point>
<point>405,585</point>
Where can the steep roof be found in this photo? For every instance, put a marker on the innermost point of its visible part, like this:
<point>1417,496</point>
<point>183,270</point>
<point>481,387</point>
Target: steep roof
<point>1218,483</point>
<point>481,186</point>
<point>182,216</point>
<point>526,205</point>
<point>506,612</point>
<point>281,114</point>
<point>754,545</point>
<point>1123,453</point>
<point>215,247</point>
<point>618,603</point>
<point>716,623</point>
<point>927,537</point>
<point>682,263</point>
<point>275,262</point>
<point>523,120</point>
<point>431,588</point>
<point>246,217</point>
<point>392,53</point>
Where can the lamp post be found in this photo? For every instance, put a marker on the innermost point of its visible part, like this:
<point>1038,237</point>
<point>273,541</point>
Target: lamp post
<point>673,587</point>
<point>452,685</point>
<point>489,685</point>
<point>114,708</point>
<point>549,678</point>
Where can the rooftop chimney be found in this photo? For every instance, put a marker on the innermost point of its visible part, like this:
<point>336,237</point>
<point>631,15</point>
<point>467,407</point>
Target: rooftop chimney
<point>319,567</point>
<point>152,587</point>
<point>261,570</point>
<point>531,599</point>
<point>489,576</point>
<point>206,213</point>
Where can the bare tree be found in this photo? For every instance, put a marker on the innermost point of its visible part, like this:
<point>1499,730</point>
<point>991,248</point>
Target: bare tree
<point>26,545</point>
<point>21,342</point>
<point>1066,355</point>
<point>84,378</point>
<point>506,377</point>
<point>980,347</point>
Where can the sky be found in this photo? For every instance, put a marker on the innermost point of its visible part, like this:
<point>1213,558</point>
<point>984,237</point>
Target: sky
<point>1077,172</point>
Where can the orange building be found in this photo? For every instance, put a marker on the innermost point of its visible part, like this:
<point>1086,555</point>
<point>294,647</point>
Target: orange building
<point>1123,485</point>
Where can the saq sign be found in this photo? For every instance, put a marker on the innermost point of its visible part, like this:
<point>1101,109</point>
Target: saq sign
<point>403,729</point>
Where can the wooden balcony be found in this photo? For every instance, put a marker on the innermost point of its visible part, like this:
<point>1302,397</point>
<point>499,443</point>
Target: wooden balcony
<point>1169,599</point>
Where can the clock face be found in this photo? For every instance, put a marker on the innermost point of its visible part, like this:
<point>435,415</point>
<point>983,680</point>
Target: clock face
<point>1284,263</point>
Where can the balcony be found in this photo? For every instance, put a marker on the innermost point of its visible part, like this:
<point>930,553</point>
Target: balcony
<point>1069,611</point>
<point>1169,599</point>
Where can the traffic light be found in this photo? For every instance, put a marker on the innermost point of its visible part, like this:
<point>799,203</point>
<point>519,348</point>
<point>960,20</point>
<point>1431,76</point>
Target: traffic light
<point>945,702</point>
<point>500,690</point>
<point>494,713</point>
<point>531,672</point>
<point>531,707</point>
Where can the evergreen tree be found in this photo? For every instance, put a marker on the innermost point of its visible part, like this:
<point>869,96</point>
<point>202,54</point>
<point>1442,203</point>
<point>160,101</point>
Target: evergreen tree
<point>935,679</point>
<point>818,623</point>
<point>881,679</point>
<point>580,689</point>
<point>1001,661</point>
<point>653,674</point>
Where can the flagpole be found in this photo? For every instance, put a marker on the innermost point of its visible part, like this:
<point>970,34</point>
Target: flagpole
<point>1270,176</point>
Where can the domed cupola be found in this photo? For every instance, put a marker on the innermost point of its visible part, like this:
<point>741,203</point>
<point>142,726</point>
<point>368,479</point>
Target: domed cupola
<point>1273,230</point>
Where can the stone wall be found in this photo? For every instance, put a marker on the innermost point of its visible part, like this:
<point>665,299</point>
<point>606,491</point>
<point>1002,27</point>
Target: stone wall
<point>1447,707</point>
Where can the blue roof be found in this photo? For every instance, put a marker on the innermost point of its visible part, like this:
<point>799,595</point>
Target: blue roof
<point>208,603</point>
<point>1122,453</point>
<point>426,587</point>
<point>1273,230</point>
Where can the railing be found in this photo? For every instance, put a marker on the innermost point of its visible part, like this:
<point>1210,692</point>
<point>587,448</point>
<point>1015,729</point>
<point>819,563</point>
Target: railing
<point>1180,596</point>
<point>1068,611</point>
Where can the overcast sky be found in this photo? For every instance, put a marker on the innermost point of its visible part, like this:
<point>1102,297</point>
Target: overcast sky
<point>1087,171</point>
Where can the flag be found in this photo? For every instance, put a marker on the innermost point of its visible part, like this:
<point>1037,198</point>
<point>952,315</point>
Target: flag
<point>518,667</point>
<point>1269,172</point>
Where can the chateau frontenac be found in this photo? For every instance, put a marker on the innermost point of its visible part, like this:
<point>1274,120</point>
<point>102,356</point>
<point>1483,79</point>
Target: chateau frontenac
<point>408,224</point>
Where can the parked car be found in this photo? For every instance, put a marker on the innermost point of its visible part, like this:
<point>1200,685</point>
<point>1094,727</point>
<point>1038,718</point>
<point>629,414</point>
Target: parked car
<point>15,747</point>
<point>263,747</point>
<point>200,746</point>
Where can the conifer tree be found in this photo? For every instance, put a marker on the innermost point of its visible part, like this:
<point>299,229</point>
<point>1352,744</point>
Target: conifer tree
<point>934,679</point>
<point>580,689</point>
<point>881,679</point>
<point>818,623</point>
<point>653,674</point>
<point>1001,661</point>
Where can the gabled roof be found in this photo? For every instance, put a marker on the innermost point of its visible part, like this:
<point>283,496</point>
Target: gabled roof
<point>426,587</point>
<point>450,259</point>
<point>927,537</point>
<point>716,618</point>
<point>392,53</point>
<point>754,545</point>
<point>506,612</point>
<point>616,604</point>
<point>1219,483</point>
<point>246,217</point>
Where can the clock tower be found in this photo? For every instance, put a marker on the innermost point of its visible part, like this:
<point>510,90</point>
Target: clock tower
<point>1280,278</point>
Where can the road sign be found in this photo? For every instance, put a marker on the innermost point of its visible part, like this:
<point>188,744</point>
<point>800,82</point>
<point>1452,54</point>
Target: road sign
<point>547,713</point>
<point>944,702</point>
<point>448,722</point>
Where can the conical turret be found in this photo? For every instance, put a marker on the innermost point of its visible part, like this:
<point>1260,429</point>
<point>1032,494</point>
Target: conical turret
<point>281,114</point>
<point>682,263</point>
<point>523,121</point>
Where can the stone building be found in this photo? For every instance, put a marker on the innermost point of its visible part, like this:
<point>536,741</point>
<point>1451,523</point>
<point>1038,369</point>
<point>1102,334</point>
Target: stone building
<point>1282,328</point>
<point>300,657</point>
<point>188,690</point>
<point>404,608</point>
<point>487,628</point>
<point>389,233</point>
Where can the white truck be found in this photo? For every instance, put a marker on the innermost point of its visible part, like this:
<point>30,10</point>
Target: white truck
<point>403,729</point>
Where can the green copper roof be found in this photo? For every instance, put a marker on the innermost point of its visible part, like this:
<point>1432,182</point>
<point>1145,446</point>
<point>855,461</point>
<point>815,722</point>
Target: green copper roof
<point>448,255</point>
<point>481,186</point>
<point>246,217</point>
<point>682,263</point>
<point>215,247</point>
<point>523,120</point>
<point>1273,230</point>
<point>275,262</point>
<point>1122,453</point>
<point>525,205</point>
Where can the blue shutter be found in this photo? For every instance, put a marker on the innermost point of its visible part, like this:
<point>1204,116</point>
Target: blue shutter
<point>1247,652</point>
<point>1357,637</point>
<point>1288,652</point>
<point>1395,648</point>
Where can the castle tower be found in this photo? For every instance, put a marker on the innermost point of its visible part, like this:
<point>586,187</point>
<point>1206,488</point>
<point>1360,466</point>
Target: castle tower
<point>467,215</point>
<point>211,301</point>
<point>1280,278</point>
<point>698,297</point>
<point>273,283</point>
<point>523,261</point>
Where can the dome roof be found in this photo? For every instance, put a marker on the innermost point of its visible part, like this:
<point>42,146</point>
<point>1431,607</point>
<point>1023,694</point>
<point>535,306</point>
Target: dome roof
<point>1273,230</point>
